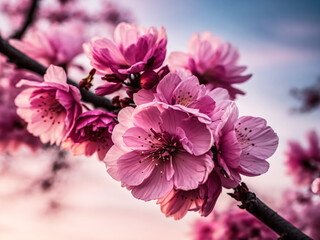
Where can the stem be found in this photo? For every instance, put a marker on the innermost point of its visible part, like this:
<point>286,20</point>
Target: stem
<point>23,61</point>
<point>28,20</point>
<point>260,210</point>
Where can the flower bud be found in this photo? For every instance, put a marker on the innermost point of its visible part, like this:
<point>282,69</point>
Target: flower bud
<point>149,79</point>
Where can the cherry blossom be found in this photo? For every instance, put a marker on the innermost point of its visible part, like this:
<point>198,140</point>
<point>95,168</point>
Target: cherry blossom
<point>164,149</point>
<point>58,46</point>
<point>134,50</point>
<point>50,107</point>
<point>91,133</point>
<point>215,63</point>
<point>237,224</point>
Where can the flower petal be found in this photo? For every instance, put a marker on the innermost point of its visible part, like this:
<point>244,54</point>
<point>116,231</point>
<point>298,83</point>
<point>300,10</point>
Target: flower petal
<point>252,166</point>
<point>134,167</point>
<point>190,171</point>
<point>154,187</point>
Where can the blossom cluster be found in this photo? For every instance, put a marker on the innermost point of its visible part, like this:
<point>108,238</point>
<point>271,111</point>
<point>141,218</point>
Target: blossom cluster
<point>176,136</point>
<point>58,46</point>
<point>232,224</point>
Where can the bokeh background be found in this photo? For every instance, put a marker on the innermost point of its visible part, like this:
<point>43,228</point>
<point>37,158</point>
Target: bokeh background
<point>279,41</point>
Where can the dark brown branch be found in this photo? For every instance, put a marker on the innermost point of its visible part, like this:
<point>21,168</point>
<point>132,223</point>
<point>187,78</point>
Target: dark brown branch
<point>24,62</point>
<point>260,210</point>
<point>28,20</point>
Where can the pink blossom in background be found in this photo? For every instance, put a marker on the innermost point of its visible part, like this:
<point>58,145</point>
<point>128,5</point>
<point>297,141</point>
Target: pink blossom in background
<point>304,164</point>
<point>203,230</point>
<point>308,96</point>
<point>58,46</point>
<point>156,151</point>
<point>215,63</point>
<point>16,10</point>
<point>302,209</point>
<point>91,133</point>
<point>237,224</point>
<point>13,132</point>
<point>134,50</point>
<point>50,108</point>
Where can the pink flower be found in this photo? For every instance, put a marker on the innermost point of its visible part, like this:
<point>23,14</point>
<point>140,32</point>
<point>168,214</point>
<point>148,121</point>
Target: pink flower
<point>242,146</point>
<point>315,186</point>
<point>203,230</point>
<point>304,164</point>
<point>238,224</point>
<point>92,133</point>
<point>155,151</point>
<point>202,199</point>
<point>213,62</point>
<point>50,107</point>
<point>182,92</point>
<point>57,46</point>
<point>133,50</point>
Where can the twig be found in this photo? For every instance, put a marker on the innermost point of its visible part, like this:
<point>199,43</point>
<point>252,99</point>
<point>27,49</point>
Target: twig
<point>260,210</point>
<point>28,20</point>
<point>23,61</point>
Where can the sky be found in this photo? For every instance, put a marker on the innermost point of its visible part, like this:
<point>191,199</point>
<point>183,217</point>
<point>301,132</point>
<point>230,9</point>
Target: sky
<point>279,42</point>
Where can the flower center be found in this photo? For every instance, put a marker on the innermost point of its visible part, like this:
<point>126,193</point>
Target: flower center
<point>48,107</point>
<point>100,135</point>
<point>184,98</point>
<point>163,146</point>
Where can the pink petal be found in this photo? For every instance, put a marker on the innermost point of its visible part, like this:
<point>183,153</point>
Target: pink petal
<point>134,168</point>
<point>230,149</point>
<point>232,180</point>
<point>252,166</point>
<point>166,88</point>
<point>55,74</point>
<point>137,139</point>
<point>178,202</point>
<point>147,117</point>
<point>171,120</point>
<point>177,60</point>
<point>210,191</point>
<point>198,134</point>
<point>111,159</point>
<point>143,96</point>
<point>190,171</point>
<point>125,114</point>
<point>256,138</point>
<point>154,187</point>
<point>108,88</point>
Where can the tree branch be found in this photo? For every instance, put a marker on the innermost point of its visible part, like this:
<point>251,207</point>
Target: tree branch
<point>28,20</point>
<point>260,210</point>
<point>23,61</point>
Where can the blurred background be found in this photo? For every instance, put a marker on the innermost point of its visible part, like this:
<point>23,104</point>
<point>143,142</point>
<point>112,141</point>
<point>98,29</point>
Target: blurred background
<point>52,195</point>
